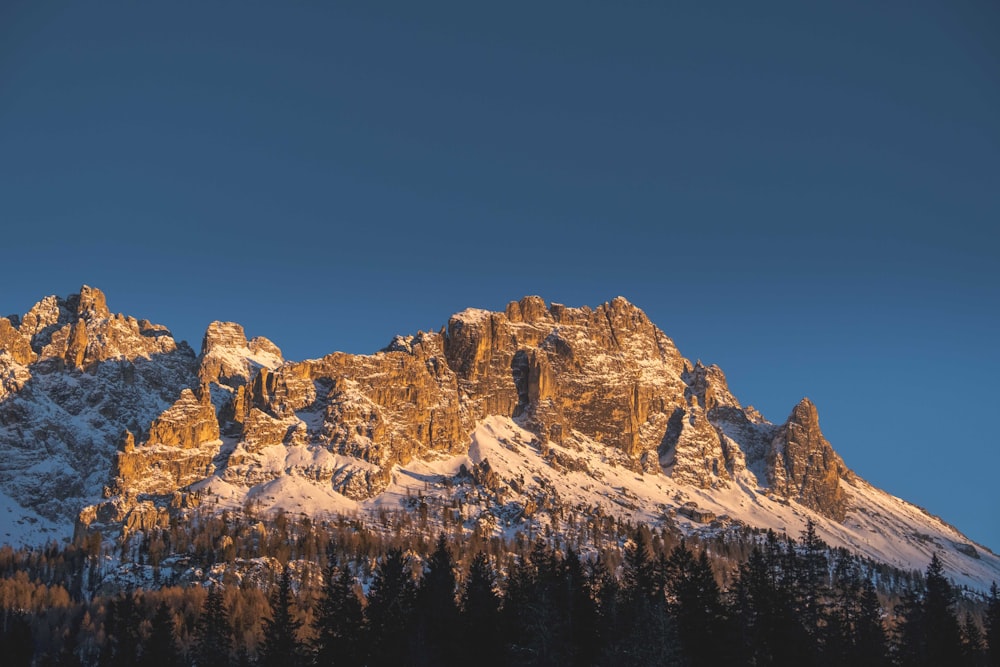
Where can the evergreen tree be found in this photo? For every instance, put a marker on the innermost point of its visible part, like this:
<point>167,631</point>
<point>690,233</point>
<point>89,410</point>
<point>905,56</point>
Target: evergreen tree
<point>908,639</point>
<point>941,625</point>
<point>770,631</point>
<point>535,614</point>
<point>855,635</point>
<point>281,647</point>
<point>389,614</point>
<point>649,634</point>
<point>811,582</point>
<point>438,617</point>
<point>160,649</point>
<point>696,603</point>
<point>582,617</point>
<point>870,649</point>
<point>480,615</point>
<point>213,635</point>
<point>121,626</point>
<point>339,619</point>
<point>993,626</point>
<point>930,633</point>
<point>17,647</point>
<point>606,592</point>
<point>973,645</point>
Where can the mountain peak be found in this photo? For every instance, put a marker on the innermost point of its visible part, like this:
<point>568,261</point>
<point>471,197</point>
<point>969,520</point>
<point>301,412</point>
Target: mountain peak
<point>227,357</point>
<point>90,303</point>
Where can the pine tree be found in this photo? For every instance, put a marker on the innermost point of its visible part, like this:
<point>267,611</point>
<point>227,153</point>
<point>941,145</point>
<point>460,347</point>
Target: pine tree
<point>941,625</point>
<point>160,649</point>
<point>121,647</point>
<point>696,603</point>
<point>389,614</point>
<point>649,634</point>
<point>213,635</point>
<point>481,615</point>
<point>993,626</point>
<point>930,633</point>
<point>339,619</point>
<point>607,594</point>
<point>770,632</point>
<point>583,638</point>
<point>854,634</point>
<point>870,649</point>
<point>281,647</point>
<point>811,578</point>
<point>438,615</point>
<point>973,645</point>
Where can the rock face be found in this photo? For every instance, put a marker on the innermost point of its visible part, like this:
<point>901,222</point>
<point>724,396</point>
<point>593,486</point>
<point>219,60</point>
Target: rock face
<point>608,373</point>
<point>228,358</point>
<point>103,400</point>
<point>381,409</point>
<point>802,464</point>
<point>85,378</point>
<point>189,422</point>
<point>15,344</point>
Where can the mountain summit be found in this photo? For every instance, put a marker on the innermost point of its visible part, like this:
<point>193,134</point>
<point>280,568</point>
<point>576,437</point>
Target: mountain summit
<point>524,415</point>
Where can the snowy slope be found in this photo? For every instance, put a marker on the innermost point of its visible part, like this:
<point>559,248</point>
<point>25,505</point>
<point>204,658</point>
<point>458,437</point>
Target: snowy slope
<point>535,478</point>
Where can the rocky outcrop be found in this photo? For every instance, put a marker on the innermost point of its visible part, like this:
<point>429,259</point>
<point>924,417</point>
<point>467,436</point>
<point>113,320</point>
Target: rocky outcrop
<point>80,332</point>
<point>179,450</point>
<point>188,423</point>
<point>228,358</point>
<point>89,377</point>
<point>803,466</point>
<point>608,372</point>
<point>383,408</point>
<point>693,449</point>
<point>15,344</point>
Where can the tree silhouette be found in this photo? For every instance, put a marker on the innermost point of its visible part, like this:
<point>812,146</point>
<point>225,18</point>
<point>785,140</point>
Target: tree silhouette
<point>339,619</point>
<point>930,632</point>
<point>280,647</point>
<point>992,623</point>
<point>696,603</point>
<point>438,616</point>
<point>481,615</point>
<point>389,614</point>
<point>160,649</point>
<point>213,636</point>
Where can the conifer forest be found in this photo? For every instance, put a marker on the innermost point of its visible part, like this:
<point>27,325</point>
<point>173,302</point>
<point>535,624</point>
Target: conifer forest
<point>224,590</point>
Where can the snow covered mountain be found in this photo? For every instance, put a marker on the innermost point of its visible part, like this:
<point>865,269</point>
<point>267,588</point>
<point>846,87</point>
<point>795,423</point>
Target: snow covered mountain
<point>520,417</point>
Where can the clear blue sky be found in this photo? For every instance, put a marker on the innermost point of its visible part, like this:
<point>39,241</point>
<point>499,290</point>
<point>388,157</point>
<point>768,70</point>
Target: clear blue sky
<point>806,194</point>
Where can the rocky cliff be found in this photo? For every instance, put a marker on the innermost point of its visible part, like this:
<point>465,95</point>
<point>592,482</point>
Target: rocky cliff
<point>75,379</point>
<point>607,373</point>
<point>108,412</point>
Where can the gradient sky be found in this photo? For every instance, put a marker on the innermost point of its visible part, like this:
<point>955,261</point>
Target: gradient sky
<point>807,194</point>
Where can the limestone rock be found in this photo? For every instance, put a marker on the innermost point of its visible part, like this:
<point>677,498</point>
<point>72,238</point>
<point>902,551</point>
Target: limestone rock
<point>693,449</point>
<point>228,358</point>
<point>608,373</point>
<point>90,303</point>
<point>803,466</point>
<point>89,377</point>
<point>80,332</point>
<point>16,344</point>
<point>188,423</point>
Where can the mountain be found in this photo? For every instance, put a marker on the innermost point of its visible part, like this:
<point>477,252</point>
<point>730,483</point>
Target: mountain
<point>521,418</point>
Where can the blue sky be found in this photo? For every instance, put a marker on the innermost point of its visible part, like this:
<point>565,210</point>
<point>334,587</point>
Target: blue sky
<point>806,194</point>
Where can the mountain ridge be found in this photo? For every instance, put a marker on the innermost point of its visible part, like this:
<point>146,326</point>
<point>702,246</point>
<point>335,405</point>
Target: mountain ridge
<point>135,428</point>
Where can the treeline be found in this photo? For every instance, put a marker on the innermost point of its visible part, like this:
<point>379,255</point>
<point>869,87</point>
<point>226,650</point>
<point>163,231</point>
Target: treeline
<point>657,601</point>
